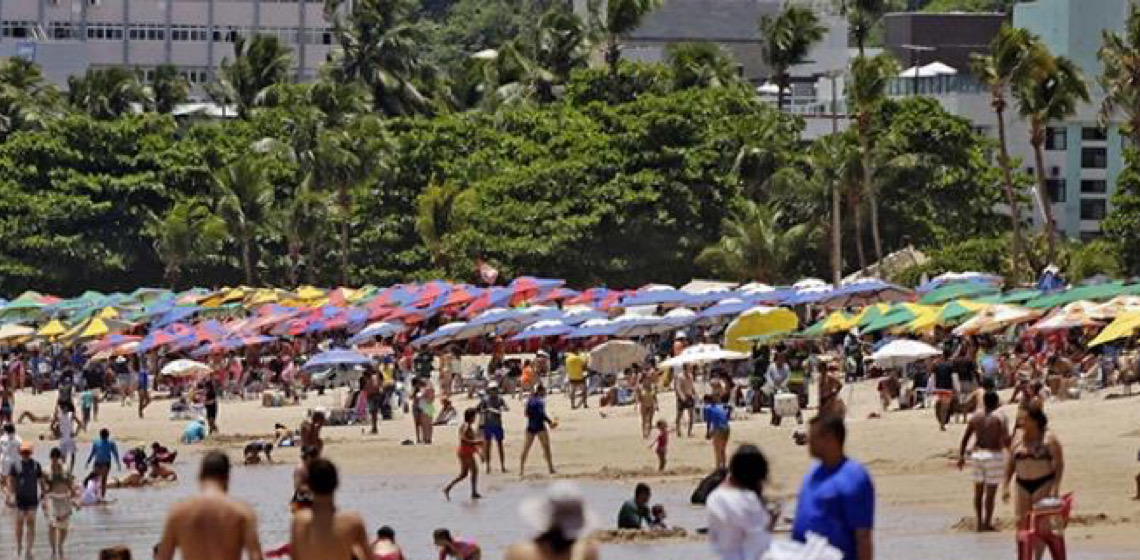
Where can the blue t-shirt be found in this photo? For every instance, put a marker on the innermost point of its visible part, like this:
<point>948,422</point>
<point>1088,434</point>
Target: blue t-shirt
<point>834,503</point>
<point>716,415</point>
<point>102,451</point>
<point>144,380</point>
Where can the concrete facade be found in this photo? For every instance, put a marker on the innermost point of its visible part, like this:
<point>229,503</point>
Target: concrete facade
<point>68,36</point>
<point>952,37</point>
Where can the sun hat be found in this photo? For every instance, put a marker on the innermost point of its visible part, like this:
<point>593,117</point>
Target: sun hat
<point>561,507</point>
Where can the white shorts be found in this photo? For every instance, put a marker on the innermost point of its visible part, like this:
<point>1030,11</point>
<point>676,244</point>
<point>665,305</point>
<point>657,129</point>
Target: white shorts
<point>989,466</point>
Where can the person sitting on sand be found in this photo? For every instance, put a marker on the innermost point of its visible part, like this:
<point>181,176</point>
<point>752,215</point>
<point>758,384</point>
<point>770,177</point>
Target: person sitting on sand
<point>254,449</point>
<point>658,517</point>
<point>282,436</point>
<point>450,547</point>
<point>634,513</point>
<point>385,547</point>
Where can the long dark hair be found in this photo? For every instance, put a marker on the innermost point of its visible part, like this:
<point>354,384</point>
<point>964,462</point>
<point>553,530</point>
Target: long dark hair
<point>555,540</point>
<point>749,469</point>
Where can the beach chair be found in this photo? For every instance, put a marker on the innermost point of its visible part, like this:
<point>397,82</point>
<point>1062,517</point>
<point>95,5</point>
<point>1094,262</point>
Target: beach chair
<point>1045,527</point>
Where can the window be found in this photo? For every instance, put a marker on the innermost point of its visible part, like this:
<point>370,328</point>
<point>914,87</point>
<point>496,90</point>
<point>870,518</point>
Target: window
<point>1056,139</point>
<point>148,32</point>
<point>1094,158</point>
<point>1094,209</point>
<point>17,29</point>
<point>1094,134</point>
<point>61,30</point>
<point>1094,186</point>
<point>1056,189</point>
<point>104,32</point>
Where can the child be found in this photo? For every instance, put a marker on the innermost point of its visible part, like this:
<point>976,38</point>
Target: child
<point>460,550</point>
<point>660,444</point>
<point>657,517</point>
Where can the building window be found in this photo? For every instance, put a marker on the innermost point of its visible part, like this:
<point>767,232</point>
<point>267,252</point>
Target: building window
<point>17,29</point>
<point>1094,186</point>
<point>1094,158</point>
<point>61,30</point>
<point>104,32</point>
<point>148,32</point>
<point>1056,139</point>
<point>1094,134</point>
<point>1056,189</point>
<point>1094,209</point>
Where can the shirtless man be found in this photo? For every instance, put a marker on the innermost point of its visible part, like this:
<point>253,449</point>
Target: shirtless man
<point>321,532</point>
<point>231,525</point>
<point>990,429</point>
<point>311,431</point>
<point>686,397</point>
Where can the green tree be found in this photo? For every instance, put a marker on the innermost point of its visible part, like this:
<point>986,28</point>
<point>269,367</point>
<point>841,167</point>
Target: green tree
<point>435,218</point>
<point>245,201</point>
<point>186,235</point>
<point>1120,56</point>
<point>1055,89</point>
<point>1122,225</point>
<point>169,89</point>
<point>862,17</point>
<point>1012,57</point>
<point>560,43</point>
<point>699,65</point>
<point>867,91</point>
<point>258,65</point>
<point>755,245</point>
<point>612,20</point>
<point>786,40</point>
<point>301,218</point>
<point>106,93</point>
<point>27,100</point>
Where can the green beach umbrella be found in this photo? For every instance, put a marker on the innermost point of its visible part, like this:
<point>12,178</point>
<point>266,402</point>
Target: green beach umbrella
<point>1017,296</point>
<point>957,291</point>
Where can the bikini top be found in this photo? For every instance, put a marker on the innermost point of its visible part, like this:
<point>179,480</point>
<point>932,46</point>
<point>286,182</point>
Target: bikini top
<point>1039,452</point>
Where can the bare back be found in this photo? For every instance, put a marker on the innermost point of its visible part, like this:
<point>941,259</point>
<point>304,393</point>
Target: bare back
<point>991,430</point>
<point>684,385</point>
<point>339,536</point>
<point>580,550</point>
<point>210,527</point>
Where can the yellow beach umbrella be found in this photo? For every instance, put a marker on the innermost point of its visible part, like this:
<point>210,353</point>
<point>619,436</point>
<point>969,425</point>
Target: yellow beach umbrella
<point>309,293</point>
<point>839,321</point>
<point>108,313</point>
<point>1123,327</point>
<point>52,329</point>
<point>758,321</point>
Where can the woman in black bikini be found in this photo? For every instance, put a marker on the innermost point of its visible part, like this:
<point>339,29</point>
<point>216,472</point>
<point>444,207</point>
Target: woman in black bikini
<point>1038,462</point>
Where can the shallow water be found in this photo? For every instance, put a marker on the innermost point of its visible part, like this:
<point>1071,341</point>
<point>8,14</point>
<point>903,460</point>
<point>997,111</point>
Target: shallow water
<point>414,507</point>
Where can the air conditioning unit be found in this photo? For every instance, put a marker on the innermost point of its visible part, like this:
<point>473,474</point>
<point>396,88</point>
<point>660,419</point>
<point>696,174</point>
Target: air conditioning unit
<point>1055,171</point>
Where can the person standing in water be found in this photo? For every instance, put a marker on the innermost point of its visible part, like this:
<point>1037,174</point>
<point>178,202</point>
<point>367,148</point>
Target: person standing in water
<point>62,498</point>
<point>320,532</point>
<point>991,432</point>
<point>68,426</point>
<point>717,429</point>
<point>230,525</point>
<point>536,427</point>
<point>469,445</point>
<point>103,450</point>
<point>740,525</point>
<point>492,406</point>
<point>450,547</point>
<point>26,484</point>
<point>385,547</point>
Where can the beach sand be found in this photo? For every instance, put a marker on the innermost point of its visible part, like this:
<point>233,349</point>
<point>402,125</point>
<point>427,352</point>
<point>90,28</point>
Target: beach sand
<point>911,461</point>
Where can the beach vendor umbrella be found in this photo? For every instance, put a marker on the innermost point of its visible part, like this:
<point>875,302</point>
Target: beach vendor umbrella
<point>724,310</point>
<point>757,321</point>
<point>577,315</point>
<point>996,318</point>
<point>867,291</point>
<point>52,329</point>
<point>614,356</point>
<point>901,352</point>
<point>593,327</point>
<point>379,329</point>
<point>958,290</point>
<point>338,357</point>
<point>443,335</point>
<point>630,326</point>
<point>525,288</point>
<point>12,331</point>
<point>185,368</point>
<point>679,317</point>
<point>702,354</point>
<point>543,329</point>
<point>1124,326</point>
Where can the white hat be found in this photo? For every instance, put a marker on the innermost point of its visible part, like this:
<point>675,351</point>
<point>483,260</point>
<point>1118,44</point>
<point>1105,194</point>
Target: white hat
<point>561,507</point>
<point>493,385</point>
<point>680,334</point>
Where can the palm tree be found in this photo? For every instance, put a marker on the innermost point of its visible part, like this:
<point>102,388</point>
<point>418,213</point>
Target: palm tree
<point>106,93</point>
<point>560,43</point>
<point>168,89</point>
<point>382,47</point>
<point>244,202</point>
<point>1013,53</point>
<point>187,234</point>
<point>611,20</point>
<point>1053,92</point>
<point>786,41</point>
<point>867,91</point>
<point>27,100</point>
<point>258,65</point>
<point>1121,78</point>
<point>862,15</point>
<point>506,76</point>
<point>300,219</point>
<point>755,245</point>
<point>434,216</point>
<point>700,65</point>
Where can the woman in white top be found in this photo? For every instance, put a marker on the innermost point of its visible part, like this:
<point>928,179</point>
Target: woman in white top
<point>740,527</point>
<point>68,425</point>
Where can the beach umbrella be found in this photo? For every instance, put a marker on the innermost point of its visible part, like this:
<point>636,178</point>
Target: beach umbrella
<point>462,295</point>
<point>175,315</point>
<point>629,326</point>
<point>577,315</point>
<point>1066,318</point>
<point>185,368</point>
<point>808,283</point>
<point>950,313</point>
<point>379,329</point>
<point>495,321</point>
<point>162,337</point>
<point>836,322</point>
<point>810,295</point>
<point>1019,296</point>
<point>52,329</point>
<point>338,357</point>
<point>543,329</point>
<point>614,356</point>
<point>443,335</point>
<point>702,354</point>
<point>1124,326</point>
<point>759,320</point>
<point>901,314</point>
<point>589,297</point>
<point>654,295</point>
<point>866,291</point>
<point>13,330</point>
<point>901,352</point>
<point>996,318</point>
<point>959,290</point>
<point>730,307</point>
<point>112,341</point>
<point>557,294</point>
<point>679,317</point>
<point>525,288</point>
<point>490,298</point>
<point>1115,307</point>
<point>593,327</point>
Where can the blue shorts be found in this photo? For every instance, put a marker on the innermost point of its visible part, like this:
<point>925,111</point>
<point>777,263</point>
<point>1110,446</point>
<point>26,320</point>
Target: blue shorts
<point>493,433</point>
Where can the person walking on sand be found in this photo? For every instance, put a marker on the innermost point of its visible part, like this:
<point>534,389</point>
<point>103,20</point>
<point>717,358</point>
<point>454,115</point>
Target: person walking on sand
<point>946,388</point>
<point>660,444</point>
<point>647,404</point>
<point>103,450</point>
<point>990,429</point>
<point>837,498</point>
<point>562,524</point>
<point>686,395</point>
<point>26,485</point>
<point>469,445</point>
<point>717,428</point>
<point>231,526</point>
<point>211,403</point>
<point>537,423</point>
<point>1037,461</point>
<point>321,532</point>
<point>143,387</point>
<point>740,523</point>
<point>491,408</point>
<point>68,426</point>
<point>576,376</point>
<point>311,431</point>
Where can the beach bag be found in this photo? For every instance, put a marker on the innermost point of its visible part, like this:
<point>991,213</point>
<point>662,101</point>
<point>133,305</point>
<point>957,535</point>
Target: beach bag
<point>707,485</point>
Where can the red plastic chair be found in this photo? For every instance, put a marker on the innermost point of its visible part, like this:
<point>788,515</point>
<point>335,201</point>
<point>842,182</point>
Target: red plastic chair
<point>1039,530</point>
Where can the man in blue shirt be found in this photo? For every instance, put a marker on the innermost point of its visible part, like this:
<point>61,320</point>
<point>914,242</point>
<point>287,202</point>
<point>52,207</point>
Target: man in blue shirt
<point>837,497</point>
<point>103,450</point>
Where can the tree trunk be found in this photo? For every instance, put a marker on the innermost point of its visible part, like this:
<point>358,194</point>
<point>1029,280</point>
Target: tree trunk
<point>836,239</point>
<point>346,210</point>
<point>294,261</point>
<point>779,95</point>
<point>869,191</point>
<point>1010,191</point>
<point>246,262</point>
<point>1043,197</point>
<point>857,210</point>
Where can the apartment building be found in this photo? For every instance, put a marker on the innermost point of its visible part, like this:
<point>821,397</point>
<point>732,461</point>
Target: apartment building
<point>68,36</point>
